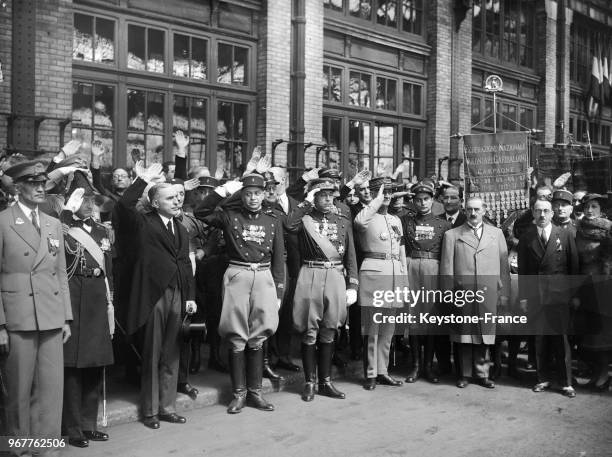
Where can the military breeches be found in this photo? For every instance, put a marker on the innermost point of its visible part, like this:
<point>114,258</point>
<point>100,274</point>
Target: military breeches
<point>250,314</point>
<point>320,300</point>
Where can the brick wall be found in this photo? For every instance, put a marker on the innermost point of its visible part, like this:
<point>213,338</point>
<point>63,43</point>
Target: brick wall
<point>6,32</point>
<point>53,67</point>
<point>438,99</point>
<point>546,66</point>
<point>273,78</point>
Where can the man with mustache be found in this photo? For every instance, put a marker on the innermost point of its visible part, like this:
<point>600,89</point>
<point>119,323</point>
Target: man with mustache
<point>384,268</point>
<point>322,292</point>
<point>475,258</point>
<point>547,253</point>
<point>35,310</point>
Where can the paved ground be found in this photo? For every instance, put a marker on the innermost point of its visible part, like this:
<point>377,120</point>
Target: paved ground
<point>413,420</point>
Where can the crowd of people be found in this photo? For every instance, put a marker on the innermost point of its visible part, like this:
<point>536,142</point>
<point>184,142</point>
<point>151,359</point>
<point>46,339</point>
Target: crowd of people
<point>94,274</point>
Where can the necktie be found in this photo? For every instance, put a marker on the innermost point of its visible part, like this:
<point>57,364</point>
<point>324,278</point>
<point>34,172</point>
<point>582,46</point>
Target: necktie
<point>543,237</point>
<point>476,232</point>
<point>172,234</point>
<point>35,221</point>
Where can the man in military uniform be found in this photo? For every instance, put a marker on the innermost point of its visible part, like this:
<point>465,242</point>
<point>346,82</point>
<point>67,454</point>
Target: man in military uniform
<point>252,284</point>
<point>384,268</point>
<point>322,292</point>
<point>423,234</point>
<point>89,264</point>
<point>35,310</point>
<point>562,207</point>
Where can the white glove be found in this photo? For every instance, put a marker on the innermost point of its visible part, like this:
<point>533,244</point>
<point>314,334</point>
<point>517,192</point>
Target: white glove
<point>71,147</point>
<point>219,174</point>
<point>191,307</point>
<point>252,163</point>
<point>311,195</point>
<point>264,164</point>
<point>75,201</point>
<point>278,303</point>
<point>351,296</point>
<point>310,175</point>
<point>232,187</point>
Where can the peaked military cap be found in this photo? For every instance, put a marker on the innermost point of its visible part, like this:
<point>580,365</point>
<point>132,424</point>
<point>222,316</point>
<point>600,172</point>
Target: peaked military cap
<point>253,180</point>
<point>321,183</point>
<point>423,186</point>
<point>30,171</point>
<point>563,195</point>
<point>208,181</point>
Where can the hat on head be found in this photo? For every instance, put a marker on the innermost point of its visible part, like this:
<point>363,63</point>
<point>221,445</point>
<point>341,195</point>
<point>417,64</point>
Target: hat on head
<point>376,183</point>
<point>592,196</point>
<point>425,186</point>
<point>563,195</point>
<point>332,173</point>
<point>207,181</point>
<point>253,180</point>
<point>81,181</point>
<point>30,171</point>
<point>321,183</point>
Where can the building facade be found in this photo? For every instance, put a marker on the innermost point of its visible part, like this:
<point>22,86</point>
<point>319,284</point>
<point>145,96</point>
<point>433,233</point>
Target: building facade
<point>350,84</point>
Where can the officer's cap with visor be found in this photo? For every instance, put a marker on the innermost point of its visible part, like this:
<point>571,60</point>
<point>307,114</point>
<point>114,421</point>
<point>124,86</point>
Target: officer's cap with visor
<point>29,171</point>
<point>322,184</point>
<point>377,183</point>
<point>423,187</point>
<point>563,195</point>
<point>253,180</point>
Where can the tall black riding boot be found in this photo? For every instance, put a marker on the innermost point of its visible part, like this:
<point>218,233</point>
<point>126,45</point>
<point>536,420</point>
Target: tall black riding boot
<point>415,352</point>
<point>238,376</point>
<point>255,365</point>
<point>326,387</point>
<point>268,372</point>
<point>309,362</point>
<point>428,360</point>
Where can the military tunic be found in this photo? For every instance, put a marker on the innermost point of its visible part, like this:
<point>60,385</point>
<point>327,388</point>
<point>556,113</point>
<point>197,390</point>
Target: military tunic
<point>254,278</point>
<point>383,269</point>
<point>423,234</point>
<point>320,295</point>
<point>89,347</point>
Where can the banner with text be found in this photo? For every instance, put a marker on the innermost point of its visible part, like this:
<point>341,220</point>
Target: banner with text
<point>496,170</point>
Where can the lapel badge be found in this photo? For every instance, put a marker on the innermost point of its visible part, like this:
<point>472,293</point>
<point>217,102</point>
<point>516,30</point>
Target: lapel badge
<point>558,243</point>
<point>19,221</point>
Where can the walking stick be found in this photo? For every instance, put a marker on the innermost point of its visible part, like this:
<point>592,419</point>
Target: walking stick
<point>104,416</point>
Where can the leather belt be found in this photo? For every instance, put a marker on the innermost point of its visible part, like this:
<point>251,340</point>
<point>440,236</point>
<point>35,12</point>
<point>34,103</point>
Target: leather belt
<point>380,256</point>
<point>89,272</point>
<point>322,264</point>
<point>250,266</point>
<point>424,255</point>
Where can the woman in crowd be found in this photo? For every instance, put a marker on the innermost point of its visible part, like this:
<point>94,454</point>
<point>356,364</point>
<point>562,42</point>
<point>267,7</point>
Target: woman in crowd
<point>594,244</point>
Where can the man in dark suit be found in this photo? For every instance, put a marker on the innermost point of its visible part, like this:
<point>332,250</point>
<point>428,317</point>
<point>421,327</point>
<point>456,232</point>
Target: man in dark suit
<point>547,253</point>
<point>452,200</point>
<point>361,184</point>
<point>162,289</point>
<point>35,309</point>
<point>284,205</point>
